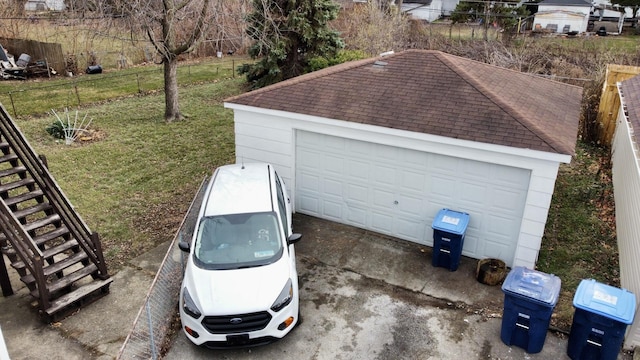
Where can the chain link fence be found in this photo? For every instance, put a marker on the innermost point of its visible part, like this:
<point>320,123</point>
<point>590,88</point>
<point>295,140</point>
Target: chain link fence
<point>152,329</point>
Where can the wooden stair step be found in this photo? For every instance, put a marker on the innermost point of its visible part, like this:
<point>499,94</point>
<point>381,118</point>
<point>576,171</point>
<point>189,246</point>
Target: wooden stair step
<point>16,184</point>
<point>50,219</point>
<point>23,197</point>
<point>43,238</point>
<point>52,251</point>
<point>68,279</point>
<point>32,210</point>
<point>57,266</point>
<point>13,171</point>
<point>8,157</point>
<point>39,240</point>
<point>77,295</point>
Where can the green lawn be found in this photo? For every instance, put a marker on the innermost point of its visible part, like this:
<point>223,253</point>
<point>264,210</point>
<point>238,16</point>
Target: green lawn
<point>134,181</point>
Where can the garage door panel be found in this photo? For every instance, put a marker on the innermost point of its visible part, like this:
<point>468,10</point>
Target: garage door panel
<point>409,205</point>
<point>309,204</point>
<point>383,176</point>
<point>416,159</point>
<point>333,164</point>
<point>474,169</point>
<point>470,245</point>
<point>510,177</point>
<point>332,143</point>
<point>357,193</point>
<point>506,201</point>
<point>495,250</point>
<point>383,198</point>
<point>499,226</point>
<point>357,215</point>
<point>310,140</point>
<point>332,210</point>
<point>308,158</point>
<point>409,229</point>
<point>358,170</point>
<point>308,182</point>
<point>381,222</point>
<point>359,183</point>
<point>444,165</point>
<point>473,194</point>
<point>413,181</point>
<point>443,186</point>
<point>333,188</point>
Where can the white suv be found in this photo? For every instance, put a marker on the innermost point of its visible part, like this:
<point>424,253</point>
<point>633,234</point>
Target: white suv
<point>240,286</point>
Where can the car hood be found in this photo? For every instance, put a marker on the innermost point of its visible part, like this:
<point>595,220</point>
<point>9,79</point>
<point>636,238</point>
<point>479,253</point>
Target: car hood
<point>238,291</point>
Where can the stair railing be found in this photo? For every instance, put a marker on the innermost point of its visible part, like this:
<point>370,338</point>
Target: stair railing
<point>26,249</point>
<point>79,230</point>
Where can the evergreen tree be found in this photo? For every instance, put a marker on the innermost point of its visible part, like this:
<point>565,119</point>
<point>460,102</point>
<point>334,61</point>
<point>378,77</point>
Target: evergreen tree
<point>287,35</point>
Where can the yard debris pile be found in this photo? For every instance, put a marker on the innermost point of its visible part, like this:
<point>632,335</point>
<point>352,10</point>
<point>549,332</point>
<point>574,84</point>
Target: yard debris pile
<point>10,69</point>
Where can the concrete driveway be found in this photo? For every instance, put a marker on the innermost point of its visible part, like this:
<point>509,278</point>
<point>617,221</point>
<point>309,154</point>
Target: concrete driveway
<point>366,296</point>
<point>363,296</point>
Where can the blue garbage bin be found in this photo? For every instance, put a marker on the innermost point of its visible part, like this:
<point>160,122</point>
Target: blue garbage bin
<point>600,320</point>
<point>529,299</point>
<point>449,227</point>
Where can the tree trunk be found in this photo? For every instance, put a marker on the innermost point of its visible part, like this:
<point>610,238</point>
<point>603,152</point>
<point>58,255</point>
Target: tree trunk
<point>172,106</point>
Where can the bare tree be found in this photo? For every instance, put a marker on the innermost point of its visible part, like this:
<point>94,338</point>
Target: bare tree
<point>373,30</point>
<point>174,27</point>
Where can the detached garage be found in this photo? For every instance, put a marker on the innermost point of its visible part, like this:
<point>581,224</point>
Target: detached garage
<point>385,143</point>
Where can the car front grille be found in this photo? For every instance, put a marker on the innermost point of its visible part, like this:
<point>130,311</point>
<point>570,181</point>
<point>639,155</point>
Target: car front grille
<point>231,324</point>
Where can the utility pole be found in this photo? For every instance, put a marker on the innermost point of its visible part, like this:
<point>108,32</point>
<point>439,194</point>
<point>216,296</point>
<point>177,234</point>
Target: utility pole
<point>485,36</point>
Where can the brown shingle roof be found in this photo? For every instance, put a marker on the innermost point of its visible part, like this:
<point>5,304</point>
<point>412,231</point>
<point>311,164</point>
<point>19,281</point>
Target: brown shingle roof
<point>435,93</point>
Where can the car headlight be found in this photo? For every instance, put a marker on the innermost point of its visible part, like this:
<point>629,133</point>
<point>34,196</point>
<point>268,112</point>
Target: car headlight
<point>189,306</point>
<point>284,298</point>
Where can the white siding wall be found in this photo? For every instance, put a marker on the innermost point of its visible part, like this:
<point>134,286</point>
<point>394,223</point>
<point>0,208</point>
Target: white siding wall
<point>577,20</point>
<point>431,12</point>
<point>626,185</point>
<point>265,135</point>
<point>39,5</point>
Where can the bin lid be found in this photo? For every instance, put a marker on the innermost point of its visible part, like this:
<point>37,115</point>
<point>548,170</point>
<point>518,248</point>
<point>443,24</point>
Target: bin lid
<point>451,221</point>
<point>532,285</point>
<point>605,300</point>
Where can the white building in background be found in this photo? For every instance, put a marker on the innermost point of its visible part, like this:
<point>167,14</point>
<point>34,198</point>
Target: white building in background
<point>429,10</point>
<point>604,8</point>
<point>45,5</point>
<point>563,16</point>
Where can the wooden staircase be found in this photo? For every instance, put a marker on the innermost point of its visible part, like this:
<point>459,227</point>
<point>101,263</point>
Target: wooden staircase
<point>53,251</point>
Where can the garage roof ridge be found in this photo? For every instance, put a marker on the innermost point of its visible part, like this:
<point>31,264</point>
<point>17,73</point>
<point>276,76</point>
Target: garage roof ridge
<point>506,106</point>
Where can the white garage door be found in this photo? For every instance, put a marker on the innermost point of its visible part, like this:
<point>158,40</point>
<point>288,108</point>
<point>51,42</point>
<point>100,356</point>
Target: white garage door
<point>398,191</point>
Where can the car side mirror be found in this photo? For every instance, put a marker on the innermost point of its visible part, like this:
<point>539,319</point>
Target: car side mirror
<point>184,246</point>
<point>294,238</point>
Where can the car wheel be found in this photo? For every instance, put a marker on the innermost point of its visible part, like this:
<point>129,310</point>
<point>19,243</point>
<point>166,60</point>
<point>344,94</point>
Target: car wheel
<point>300,320</point>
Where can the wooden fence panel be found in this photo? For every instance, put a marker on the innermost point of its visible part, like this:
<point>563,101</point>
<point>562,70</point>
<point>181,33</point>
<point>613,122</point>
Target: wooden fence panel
<point>39,51</point>
<point>610,102</point>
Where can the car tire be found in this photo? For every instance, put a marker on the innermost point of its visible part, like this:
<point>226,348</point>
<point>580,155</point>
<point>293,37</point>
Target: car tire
<point>300,319</point>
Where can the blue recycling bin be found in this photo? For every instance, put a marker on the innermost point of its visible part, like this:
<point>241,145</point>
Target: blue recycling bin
<point>600,320</point>
<point>449,227</point>
<point>529,299</point>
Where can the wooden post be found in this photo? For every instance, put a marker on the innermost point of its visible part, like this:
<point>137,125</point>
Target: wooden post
<point>5,282</point>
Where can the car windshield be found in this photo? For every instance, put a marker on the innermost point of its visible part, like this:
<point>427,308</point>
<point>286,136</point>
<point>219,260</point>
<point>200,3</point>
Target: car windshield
<point>238,241</point>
